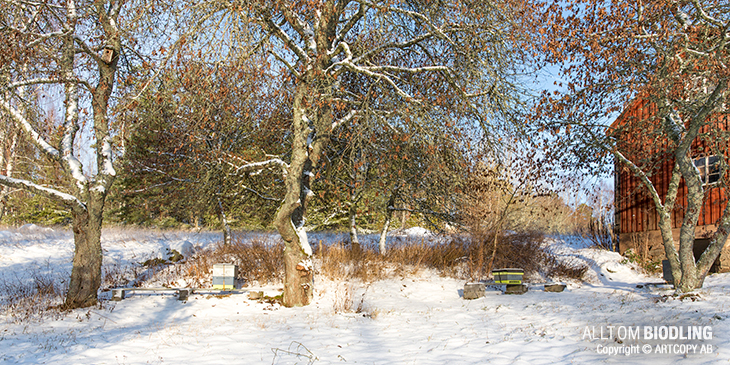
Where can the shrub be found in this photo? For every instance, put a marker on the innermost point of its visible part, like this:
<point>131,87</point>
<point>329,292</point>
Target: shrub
<point>258,259</point>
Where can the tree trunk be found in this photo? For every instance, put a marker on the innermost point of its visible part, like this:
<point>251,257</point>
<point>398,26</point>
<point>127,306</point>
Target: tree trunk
<point>86,271</point>
<point>224,223</point>
<point>8,164</point>
<point>354,242</point>
<point>7,152</point>
<point>384,232</point>
<point>495,242</point>
<point>289,220</point>
<point>311,127</point>
<point>386,225</point>
<point>695,196</point>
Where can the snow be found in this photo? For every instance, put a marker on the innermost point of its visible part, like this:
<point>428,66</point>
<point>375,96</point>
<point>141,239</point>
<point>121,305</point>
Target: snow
<point>417,231</point>
<point>417,318</point>
<point>76,169</point>
<point>108,167</point>
<point>302,233</point>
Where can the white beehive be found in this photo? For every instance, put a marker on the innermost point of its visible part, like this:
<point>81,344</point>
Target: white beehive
<point>224,276</point>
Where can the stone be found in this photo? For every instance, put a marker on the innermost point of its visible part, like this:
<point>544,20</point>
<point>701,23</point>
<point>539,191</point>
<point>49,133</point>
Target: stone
<point>473,290</point>
<point>555,288</point>
<point>256,295</point>
<point>516,289</point>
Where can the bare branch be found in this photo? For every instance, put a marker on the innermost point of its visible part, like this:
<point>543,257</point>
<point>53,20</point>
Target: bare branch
<point>348,26</point>
<point>46,80</point>
<point>638,172</point>
<point>88,50</point>
<point>706,17</point>
<point>301,27</point>
<point>288,42</point>
<point>258,166</point>
<point>414,15</point>
<point>344,119</point>
<point>52,194</point>
<point>262,196</point>
<point>401,45</point>
<point>409,70</point>
<point>287,64</point>
<point>34,135</point>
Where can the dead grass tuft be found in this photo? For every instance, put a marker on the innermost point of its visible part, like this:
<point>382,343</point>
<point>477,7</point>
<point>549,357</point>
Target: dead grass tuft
<point>35,298</point>
<point>458,257</point>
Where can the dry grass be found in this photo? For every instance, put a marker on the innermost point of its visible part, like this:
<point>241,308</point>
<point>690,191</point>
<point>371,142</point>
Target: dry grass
<point>457,257</point>
<point>259,260</point>
<point>34,298</point>
<point>527,251</point>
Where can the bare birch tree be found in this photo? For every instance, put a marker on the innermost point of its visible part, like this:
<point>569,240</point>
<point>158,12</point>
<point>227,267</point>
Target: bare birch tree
<point>72,49</point>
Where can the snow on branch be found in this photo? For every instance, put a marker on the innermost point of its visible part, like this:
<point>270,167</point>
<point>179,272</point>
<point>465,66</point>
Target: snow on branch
<point>344,119</point>
<point>381,76</point>
<point>67,143</point>
<point>106,152</point>
<point>46,80</point>
<point>674,125</point>
<point>34,135</point>
<point>107,168</point>
<point>53,194</point>
<point>301,27</point>
<point>341,47</point>
<point>258,166</point>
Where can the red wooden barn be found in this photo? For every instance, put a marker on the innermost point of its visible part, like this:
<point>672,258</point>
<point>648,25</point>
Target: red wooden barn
<point>636,218</point>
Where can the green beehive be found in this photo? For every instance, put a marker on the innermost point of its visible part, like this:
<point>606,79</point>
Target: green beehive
<point>508,276</point>
<point>224,276</point>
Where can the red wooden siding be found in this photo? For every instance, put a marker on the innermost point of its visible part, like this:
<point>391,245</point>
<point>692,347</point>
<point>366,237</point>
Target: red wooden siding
<point>634,207</point>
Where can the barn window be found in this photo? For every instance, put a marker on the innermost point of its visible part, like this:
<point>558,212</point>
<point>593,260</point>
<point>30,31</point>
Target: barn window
<point>709,168</point>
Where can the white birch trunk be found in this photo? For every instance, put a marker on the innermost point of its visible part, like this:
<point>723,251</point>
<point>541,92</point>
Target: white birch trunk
<point>384,233</point>
<point>224,224</point>
<point>354,241</point>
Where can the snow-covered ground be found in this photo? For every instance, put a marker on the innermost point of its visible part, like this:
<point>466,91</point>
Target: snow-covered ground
<point>416,319</point>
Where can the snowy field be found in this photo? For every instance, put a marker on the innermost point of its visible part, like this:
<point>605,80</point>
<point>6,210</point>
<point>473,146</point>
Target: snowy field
<point>417,319</point>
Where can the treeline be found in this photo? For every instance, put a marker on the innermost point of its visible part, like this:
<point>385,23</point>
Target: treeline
<point>177,196</point>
